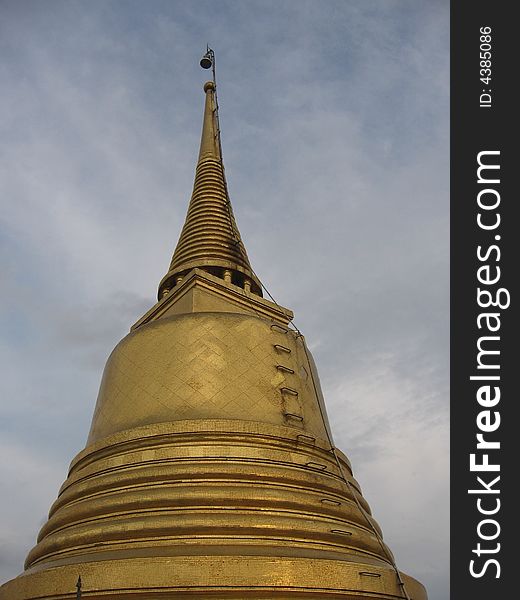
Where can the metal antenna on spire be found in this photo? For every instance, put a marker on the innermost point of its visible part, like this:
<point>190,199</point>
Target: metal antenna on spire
<point>208,62</point>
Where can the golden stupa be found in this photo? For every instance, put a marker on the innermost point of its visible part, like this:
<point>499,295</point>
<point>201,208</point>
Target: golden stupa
<point>209,470</point>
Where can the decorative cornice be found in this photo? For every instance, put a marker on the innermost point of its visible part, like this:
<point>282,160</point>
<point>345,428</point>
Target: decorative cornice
<point>244,301</point>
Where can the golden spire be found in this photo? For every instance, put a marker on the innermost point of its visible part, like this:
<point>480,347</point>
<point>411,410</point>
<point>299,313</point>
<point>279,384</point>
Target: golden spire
<point>210,239</point>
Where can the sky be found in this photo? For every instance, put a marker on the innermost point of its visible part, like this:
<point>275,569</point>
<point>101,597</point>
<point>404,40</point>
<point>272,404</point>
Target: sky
<point>335,119</point>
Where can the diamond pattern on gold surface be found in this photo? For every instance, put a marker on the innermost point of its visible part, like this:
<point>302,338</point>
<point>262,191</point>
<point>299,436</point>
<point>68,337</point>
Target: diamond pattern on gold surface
<point>201,365</point>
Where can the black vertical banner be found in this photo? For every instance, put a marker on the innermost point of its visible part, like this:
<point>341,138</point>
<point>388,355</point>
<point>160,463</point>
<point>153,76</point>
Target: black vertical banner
<point>485,247</point>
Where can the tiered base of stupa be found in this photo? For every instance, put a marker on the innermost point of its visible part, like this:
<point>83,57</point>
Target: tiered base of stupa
<point>210,509</point>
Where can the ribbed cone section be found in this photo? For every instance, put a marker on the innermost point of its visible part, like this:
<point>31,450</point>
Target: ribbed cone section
<point>210,231</point>
<point>210,238</point>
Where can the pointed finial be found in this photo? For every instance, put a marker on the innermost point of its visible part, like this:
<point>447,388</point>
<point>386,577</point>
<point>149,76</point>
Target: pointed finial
<point>209,143</point>
<point>78,586</point>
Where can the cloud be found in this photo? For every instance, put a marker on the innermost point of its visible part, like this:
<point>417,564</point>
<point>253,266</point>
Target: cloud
<point>335,139</point>
<point>30,475</point>
<point>396,437</point>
